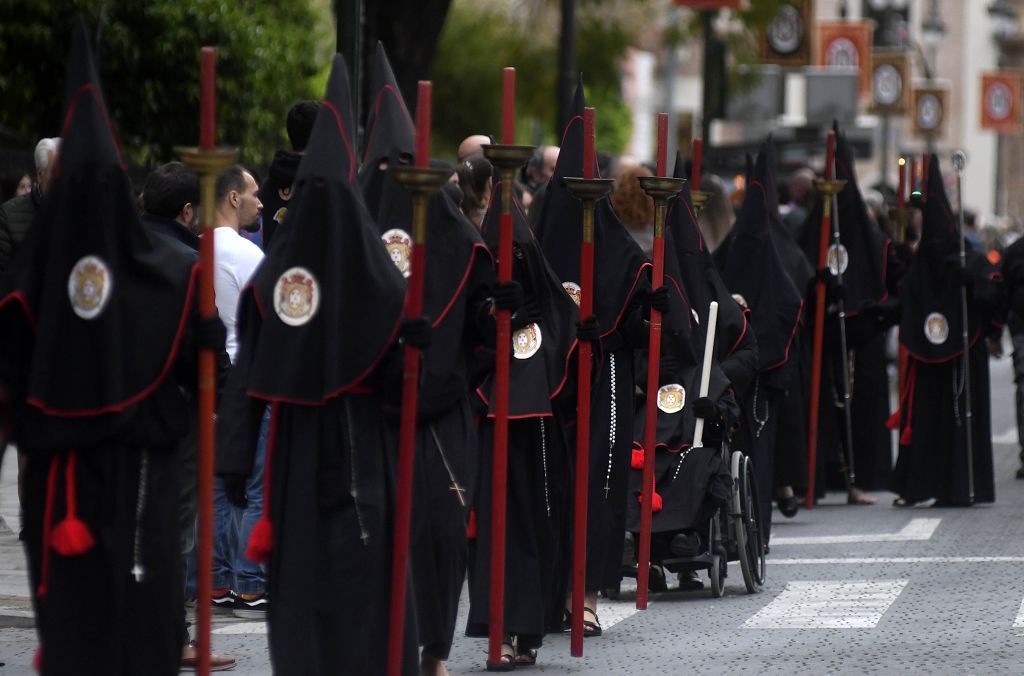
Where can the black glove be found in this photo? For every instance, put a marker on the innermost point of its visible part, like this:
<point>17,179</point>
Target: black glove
<point>508,296</point>
<point>705,408</point>
<point>833,288</point>
<point>528,313</point>
<point>658,300</point>
<point>416,332</point>
<point>588,330</point>
<point>211,333</point>
<point>234,489</point>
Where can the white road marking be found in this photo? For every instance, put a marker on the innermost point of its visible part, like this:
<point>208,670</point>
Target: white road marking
<point>917,529</point>
<point>1007,437</point>
<point>1019,622</point>
<point>828,605</point>
<point>897,559</point>
<point>242,628</point>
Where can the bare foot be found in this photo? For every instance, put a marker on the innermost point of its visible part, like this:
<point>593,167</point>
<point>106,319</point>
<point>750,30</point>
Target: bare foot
<point>858,497</point>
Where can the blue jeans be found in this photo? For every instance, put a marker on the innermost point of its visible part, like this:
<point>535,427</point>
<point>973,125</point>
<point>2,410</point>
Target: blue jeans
<point>232,526</point>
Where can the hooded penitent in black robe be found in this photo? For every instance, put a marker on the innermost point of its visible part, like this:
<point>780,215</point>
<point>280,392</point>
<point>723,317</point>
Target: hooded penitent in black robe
<point>688,481</point>
<point>96,344</point>
<point>865,250</point>
<point>459,277</point>
<point>753,268</point>
<point>621,278</point>
<point>276,192</point>
<point>933,459</point>
<point>539,487</point>
<point>318,323</point>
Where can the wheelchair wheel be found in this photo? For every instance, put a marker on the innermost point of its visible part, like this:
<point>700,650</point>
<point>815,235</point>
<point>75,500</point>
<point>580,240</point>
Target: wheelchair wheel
<point>718,562</point>
<point>750,538</point>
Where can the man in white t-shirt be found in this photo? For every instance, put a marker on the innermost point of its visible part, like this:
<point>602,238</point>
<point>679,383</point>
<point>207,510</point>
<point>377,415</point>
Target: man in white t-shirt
<point>238,208</point>
<point>239,585</point>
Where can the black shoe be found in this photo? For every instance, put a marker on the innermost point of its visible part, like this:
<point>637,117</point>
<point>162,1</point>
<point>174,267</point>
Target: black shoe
<point>685,544</point>
<point>251,609</point>
<point>223,600</point>
<point>688,581</point>
<point>1020,473</point>
<point>789,506</point>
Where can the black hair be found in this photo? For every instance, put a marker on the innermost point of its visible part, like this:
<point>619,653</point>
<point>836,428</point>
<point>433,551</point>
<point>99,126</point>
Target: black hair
<point>169,188</point>
<point>233,178</point>
<point>473,174</point>
<point>300,123</point>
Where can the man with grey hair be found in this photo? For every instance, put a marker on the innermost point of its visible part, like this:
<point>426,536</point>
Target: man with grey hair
<point>17,214</point>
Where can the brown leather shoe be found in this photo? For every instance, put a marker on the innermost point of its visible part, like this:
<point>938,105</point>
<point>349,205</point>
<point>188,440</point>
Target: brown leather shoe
<point>190,658</point>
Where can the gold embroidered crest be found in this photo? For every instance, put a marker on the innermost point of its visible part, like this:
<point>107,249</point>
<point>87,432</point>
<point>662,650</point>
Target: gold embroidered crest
<point>671,398</point>
<point>526,341</point>
<point>296,296</point>
<point>89,286</point>
<point>399,246</point>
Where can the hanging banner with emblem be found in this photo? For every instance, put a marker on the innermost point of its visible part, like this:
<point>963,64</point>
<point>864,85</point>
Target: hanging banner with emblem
<point>846,44</point>
<point>890,82</point>
<point>787,39</point>
<point>929,110</point>
<point>1000,102</point>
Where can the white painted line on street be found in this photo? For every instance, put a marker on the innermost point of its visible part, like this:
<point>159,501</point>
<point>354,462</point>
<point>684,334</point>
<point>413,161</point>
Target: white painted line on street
<point>917,529</point>
<point>828,605</point>
<point>1007,437</point>
<point>242,628</point>
<point>898,559</point>
<point>612,612</point>
<point>1019,622</point>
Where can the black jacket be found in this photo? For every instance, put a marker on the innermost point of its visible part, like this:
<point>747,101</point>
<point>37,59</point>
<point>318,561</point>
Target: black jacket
<point>16,216</point>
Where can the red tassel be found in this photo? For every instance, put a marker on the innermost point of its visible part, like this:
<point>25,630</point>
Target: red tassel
<point>656,501</point>
<point>261,541</point>
<point>471,528</point>
<point>71,537</point>
<point>37,659</point>
<point>636,460</point>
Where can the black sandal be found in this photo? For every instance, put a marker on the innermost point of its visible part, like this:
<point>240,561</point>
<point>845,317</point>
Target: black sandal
<point>591,628</point>
<point>507,662</point>
<point>526,657</point>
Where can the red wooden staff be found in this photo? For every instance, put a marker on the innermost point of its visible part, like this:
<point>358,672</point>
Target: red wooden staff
<point>653,370</point>
<point>819,324</point>
<point>698,156</point>
<point>410,395</point>
<point>499,470</point>
<point>579,556</point>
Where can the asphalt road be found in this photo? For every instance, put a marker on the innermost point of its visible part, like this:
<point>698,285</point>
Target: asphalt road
<point>850,590</point>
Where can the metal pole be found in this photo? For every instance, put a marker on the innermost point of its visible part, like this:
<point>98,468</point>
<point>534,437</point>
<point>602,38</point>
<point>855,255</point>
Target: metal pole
<point>707,19</point>
<point>886,129</point>
<point>959,161</point>
<point>850,473</point>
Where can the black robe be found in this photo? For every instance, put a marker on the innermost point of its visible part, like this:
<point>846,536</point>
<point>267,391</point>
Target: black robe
<point>96,348</point>
<point>539,486</point>
<point>933,459</point>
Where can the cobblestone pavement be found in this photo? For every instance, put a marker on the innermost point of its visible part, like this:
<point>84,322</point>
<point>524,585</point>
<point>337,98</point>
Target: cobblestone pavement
<point>849,590</point>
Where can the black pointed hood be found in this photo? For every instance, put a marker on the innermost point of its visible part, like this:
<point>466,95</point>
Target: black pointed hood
<point>390,133</point>
<point>865,246</point>
<point>618,261</point>
<point>688,260</point>
<point>930,324</point>
<point>536,379</point>
<point>106,302</point>
<point>754,269</point>
<point>328,296</point>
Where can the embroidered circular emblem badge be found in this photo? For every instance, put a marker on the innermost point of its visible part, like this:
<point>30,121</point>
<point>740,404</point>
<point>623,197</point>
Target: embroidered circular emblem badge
<point>526,341</point>
<point>671,398</point>
<point>296,296</point>
<point>838,259</point>
<point>936,328</point>
<point>280,214</point>
<point>573,289</point>
<point>399,246</point>
<point>285,193</point>
<point>89,286</point>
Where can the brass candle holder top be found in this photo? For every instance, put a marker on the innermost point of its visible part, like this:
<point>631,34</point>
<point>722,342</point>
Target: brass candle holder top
<point>589,189</point>
<point>505,156</point>
<point>829,186</point>
<point>421,179</point>
<point>661,188</point>
<point>207,160</point>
